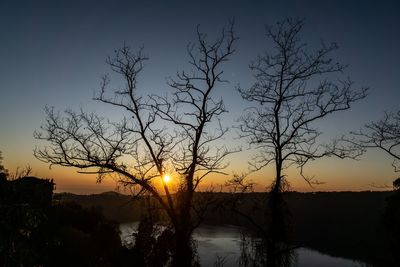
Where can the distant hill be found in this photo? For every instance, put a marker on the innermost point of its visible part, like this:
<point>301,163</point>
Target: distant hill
<point>115,206</point>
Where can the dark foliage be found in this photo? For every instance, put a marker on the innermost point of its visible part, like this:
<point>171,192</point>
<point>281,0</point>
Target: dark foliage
<point>396,184</point>
<point>153,244</point>
<point>3,170</point>
<point>391,219</point>
<point>82,237</point>
<point>24,204</point>
<point>36,233</point>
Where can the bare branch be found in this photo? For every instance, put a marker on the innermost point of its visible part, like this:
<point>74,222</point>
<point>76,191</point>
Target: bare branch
<point>383,134</point>
<point>295,88</point>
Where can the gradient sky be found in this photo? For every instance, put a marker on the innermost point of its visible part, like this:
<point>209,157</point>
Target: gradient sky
<point>53,53</point>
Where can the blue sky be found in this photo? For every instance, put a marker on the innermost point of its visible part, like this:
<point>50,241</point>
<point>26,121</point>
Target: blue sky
<point>53,53</point>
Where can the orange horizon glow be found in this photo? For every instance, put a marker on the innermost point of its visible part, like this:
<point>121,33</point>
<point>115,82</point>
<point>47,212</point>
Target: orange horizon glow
<point>373,172</point>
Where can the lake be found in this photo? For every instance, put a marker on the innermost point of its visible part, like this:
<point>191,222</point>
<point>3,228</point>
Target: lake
<point>224,242</point>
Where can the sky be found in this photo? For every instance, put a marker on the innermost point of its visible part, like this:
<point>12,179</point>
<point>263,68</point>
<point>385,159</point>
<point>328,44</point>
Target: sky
<point>53,53</point>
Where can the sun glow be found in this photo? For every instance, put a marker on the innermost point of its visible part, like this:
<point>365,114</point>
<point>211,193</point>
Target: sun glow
<point>166,178</point>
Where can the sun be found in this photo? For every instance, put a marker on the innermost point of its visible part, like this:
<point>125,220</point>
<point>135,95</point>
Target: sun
<point>166,178</point>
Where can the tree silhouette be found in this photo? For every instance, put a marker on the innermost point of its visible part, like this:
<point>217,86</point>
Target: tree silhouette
<point>3,170</point>
<point>383,134</point>
<point>294,89</point>
<point>156,135</point>
<point>396,184</point>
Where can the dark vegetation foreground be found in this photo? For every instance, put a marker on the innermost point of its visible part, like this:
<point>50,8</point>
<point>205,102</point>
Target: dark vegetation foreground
<point>37,231</point>
<point>38,228</point>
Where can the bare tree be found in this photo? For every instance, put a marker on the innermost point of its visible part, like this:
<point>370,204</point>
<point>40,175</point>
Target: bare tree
<point>294,89</point>
<point>20,172</point>
<point>383,134</point>
<point>17,174</point>
<point>141,148</point>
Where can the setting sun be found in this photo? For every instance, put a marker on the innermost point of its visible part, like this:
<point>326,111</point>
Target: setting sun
<point>166,178</point>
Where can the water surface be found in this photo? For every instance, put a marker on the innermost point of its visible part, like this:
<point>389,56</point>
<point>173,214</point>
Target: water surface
<point>223,242</point>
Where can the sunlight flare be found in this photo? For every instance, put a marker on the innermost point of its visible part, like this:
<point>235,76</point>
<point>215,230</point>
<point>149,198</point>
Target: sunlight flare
<point>166,178</point>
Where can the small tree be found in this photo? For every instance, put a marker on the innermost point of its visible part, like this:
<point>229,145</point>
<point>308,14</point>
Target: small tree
<point>138,149</point>
<point>294,89</point>
<point>3,170</point>
<point>396,184</point>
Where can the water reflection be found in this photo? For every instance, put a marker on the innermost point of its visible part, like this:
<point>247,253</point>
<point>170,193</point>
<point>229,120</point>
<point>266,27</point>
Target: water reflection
<point>218,242</point>
<point>223,244</point>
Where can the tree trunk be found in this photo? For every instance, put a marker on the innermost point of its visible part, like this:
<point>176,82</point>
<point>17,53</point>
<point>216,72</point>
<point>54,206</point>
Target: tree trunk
<point>277,222</point>
<point>184,254</point>
<point>183,250</point>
